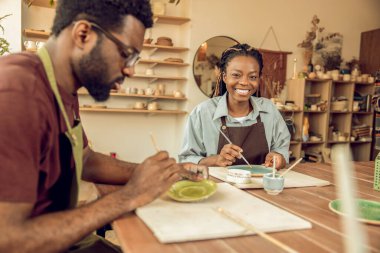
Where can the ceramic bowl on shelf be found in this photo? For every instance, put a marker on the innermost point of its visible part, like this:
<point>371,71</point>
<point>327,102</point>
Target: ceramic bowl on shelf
<point>339,105</point>
<point>148,41</point>
<point>152,106</point>
<point>346,77</point>
<point>139,105</point>
<point>315,138</point>
<point>30,45</point>
<point>341,138</point>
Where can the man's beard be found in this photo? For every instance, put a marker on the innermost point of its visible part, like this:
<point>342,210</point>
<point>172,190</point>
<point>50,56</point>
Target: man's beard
<point>93,74</point>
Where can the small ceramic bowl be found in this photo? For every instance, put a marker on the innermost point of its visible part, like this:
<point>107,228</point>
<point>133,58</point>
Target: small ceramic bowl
<point>239,176</point>
<point>273,185</point>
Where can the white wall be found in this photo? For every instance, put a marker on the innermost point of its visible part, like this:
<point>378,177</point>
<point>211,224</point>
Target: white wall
<point>246,21</point>
<point>11,24</point>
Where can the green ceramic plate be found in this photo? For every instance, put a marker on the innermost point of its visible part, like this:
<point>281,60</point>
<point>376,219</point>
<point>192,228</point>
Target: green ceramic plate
<point>369,211</point>
<point>256,170</point>
<point>189,191</point>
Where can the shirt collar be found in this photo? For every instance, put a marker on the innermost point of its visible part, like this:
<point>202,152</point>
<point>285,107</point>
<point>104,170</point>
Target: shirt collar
<point>222,109</point>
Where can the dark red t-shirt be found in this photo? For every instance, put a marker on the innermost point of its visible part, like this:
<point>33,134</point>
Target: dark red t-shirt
<point>31,130</point>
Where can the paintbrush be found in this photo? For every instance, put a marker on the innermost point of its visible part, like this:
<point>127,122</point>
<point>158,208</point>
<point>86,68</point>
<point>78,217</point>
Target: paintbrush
<point>249,227</point>
<point>291,167</point>
<point>154,142</point>
<point>230,142</point>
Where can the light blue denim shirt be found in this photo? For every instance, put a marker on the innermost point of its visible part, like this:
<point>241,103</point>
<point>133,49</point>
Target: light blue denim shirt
<point>202,135</point>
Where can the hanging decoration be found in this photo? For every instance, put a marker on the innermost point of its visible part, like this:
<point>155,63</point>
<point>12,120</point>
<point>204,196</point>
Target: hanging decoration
<point>274,72</point>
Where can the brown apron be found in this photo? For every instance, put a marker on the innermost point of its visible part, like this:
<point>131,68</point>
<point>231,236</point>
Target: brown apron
<point>250,138</point>
<point>67,187</point>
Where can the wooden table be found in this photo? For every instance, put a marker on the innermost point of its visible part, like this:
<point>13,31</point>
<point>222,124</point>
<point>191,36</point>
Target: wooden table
<point>310,203</point>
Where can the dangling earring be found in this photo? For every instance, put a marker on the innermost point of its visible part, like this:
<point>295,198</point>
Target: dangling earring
<point>217,86</point>
<point>216,91</point>
<point>257,93</point>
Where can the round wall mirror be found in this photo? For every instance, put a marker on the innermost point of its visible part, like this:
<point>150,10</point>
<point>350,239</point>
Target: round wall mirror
<point>206,60</point>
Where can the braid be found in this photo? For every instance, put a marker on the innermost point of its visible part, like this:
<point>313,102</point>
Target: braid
<point>227,56</point>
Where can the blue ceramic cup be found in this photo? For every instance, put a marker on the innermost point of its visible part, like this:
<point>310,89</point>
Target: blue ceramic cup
<point>273,185</point>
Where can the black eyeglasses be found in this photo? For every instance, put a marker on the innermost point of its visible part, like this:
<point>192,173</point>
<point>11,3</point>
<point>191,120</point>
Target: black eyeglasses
<point>130,54</point>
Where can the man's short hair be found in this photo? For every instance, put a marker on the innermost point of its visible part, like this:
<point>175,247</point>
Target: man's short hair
<point>107,13</point>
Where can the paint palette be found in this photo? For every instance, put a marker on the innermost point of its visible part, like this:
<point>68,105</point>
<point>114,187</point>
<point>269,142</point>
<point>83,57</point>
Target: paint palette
<point>256,170</point>
<point>190,191</point>
<point>369,211</point>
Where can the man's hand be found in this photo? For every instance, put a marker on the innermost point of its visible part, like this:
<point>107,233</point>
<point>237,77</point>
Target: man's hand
<point>194,172</point>
<point>152,177</point>
<point>280,160</point>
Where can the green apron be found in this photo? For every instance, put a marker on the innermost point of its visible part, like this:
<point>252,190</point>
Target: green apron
<point>74,134</point>
<point>92,243</point>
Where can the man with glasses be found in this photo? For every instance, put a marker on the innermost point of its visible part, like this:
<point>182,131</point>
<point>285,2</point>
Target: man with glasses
<point>43,149</point>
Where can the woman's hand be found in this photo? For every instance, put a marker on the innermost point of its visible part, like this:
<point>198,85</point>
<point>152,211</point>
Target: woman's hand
<point>280,160</point>
<point>228,155</point>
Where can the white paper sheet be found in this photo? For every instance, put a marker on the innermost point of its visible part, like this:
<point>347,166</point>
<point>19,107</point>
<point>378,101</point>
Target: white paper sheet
<point>173,221</point>
<point>292,179</point>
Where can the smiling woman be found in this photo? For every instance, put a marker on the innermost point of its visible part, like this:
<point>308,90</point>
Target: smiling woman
<point>253,124</point>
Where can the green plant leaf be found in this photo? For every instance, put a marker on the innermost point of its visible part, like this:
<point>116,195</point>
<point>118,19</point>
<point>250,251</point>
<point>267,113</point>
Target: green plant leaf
<point>1,18</point>
<point>4,46</point>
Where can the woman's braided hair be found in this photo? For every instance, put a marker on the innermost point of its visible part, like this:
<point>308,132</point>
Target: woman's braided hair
<point>227,56</point>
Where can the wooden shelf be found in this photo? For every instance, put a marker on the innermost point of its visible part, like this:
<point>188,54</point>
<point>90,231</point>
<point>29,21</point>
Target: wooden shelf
<point>310,111</point>
<point>138,96</point>
<point>313,142</point>
<point>317,80</point>
<point>284,110</point>
<point>171,20</point>
<point>343,82</point>
<point>312,95</point>
<point>365,113</point>
<point>340,112</point>
<point>121,110</point>
<point>154,77</point>
<point>43,3</point>
<point>362,83</point>
<point>299,90</point>
<point>176,64</point>
<point>360,142</point>
<point>165,48</point>
<point>36,33</point>
<point>335,142</point>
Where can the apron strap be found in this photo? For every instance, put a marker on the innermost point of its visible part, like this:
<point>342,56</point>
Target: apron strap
<point>46,61</point>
